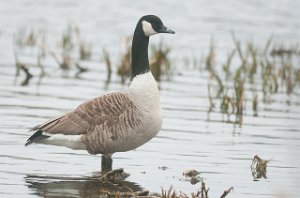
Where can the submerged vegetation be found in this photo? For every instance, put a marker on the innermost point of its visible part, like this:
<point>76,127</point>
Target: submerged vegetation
<point>201,193</point>
<point>73,52</point>
<point>248,74</point>
<point>117,187</point>
<point>33,43</point>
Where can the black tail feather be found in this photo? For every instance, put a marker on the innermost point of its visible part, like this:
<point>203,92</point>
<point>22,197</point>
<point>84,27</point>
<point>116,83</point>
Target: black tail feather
<point>36,137</point>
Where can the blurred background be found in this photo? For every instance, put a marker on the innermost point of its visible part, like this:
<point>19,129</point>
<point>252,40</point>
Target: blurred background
<point>229,81</point>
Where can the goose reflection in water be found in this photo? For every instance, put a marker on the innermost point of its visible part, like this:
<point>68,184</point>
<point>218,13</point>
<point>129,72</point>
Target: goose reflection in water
<point>52,186</point>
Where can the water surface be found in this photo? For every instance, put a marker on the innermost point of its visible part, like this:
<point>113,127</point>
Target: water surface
<point>190,137</point>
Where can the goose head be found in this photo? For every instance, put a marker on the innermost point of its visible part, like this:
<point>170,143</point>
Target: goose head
<point>152,25</point>
<point>147,26</point>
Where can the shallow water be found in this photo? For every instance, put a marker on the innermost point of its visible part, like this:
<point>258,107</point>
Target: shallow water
<point>190,137</point>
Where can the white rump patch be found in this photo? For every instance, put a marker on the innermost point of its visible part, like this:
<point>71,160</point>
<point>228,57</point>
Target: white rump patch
<point>148,29</point>
<point>70,141</point>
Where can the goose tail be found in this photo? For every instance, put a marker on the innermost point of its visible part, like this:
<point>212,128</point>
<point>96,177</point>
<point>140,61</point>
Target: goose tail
<point>70,141</point>
<point>37,137</point>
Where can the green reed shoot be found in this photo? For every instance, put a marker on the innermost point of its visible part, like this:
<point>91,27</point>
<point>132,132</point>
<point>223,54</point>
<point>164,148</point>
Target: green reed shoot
<point>259,68</point>
<point>107,61</point>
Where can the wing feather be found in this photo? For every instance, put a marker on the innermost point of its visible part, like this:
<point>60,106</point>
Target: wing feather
<point>87,116</point>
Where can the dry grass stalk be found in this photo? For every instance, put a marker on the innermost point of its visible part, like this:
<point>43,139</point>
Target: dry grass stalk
<point>201,193</point>
<point>226,192</point>
<point>254,67</point>
<point>107,61</point>
<point>28,76</point>
<point>226,66</point>
<point>255,105</point>
<point>85,49</point>
<point>65,63</point>
<point>67,39</point>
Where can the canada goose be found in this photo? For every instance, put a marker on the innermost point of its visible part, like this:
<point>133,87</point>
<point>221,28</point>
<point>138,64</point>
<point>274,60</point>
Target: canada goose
<point>115,122</point>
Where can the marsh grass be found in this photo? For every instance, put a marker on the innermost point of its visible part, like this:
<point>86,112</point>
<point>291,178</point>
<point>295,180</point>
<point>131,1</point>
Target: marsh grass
<point>116,186</point>
<point>34,41</point>
<point>201,193</point>
<point>107,61</point>
<point>262,71</point>
<point>22,67</point>
<point>248,68</point>
<point>25,37</point>
<point>85,48</point>
<point>72,42</point>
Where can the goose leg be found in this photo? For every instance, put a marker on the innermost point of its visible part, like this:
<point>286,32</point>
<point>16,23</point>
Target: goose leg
<point>106,163</point>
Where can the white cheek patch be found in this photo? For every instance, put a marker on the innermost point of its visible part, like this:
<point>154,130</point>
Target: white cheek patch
<point>148,29</point>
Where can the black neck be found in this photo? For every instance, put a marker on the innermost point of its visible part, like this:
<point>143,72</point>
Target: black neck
<point>139,52</point>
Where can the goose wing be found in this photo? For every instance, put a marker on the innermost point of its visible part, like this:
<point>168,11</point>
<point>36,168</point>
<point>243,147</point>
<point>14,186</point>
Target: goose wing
<point>87,116</point>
